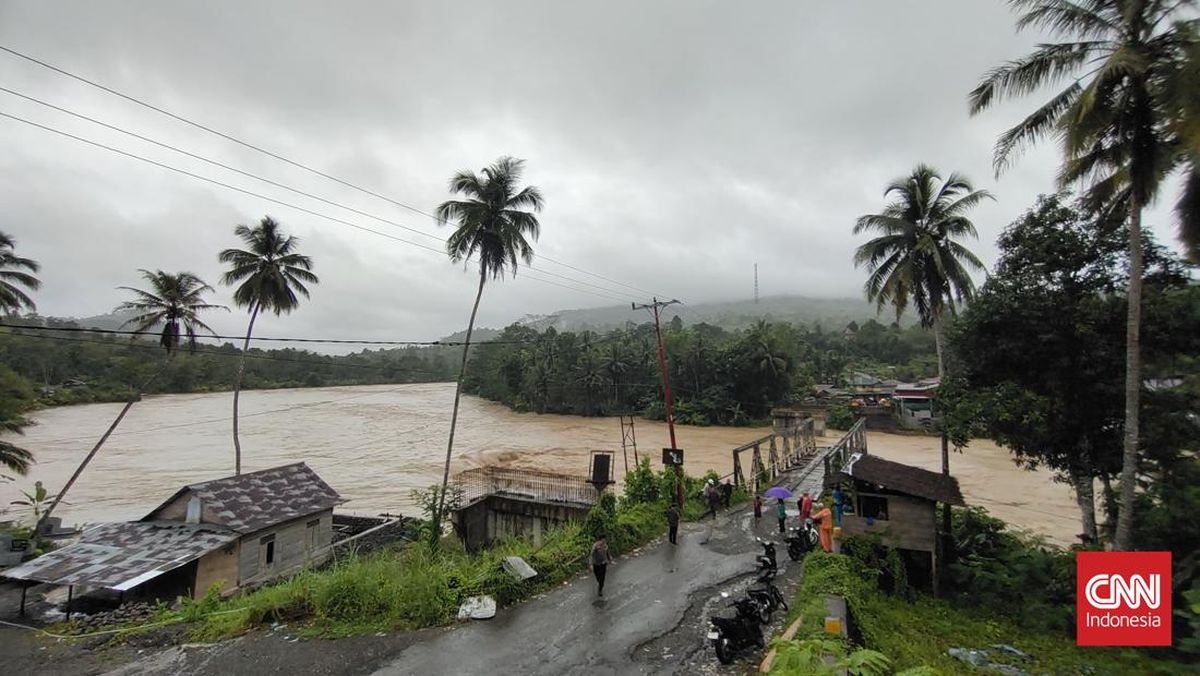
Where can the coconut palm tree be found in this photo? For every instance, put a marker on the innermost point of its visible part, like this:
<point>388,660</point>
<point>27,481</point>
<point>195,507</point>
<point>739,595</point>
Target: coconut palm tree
<point>1125,119</point>
<point>14,274</point>
<point>916,258</point>
<point>495,223</point>
<point>616,366</point>
<point>175,301</point>
<point>270,274</point>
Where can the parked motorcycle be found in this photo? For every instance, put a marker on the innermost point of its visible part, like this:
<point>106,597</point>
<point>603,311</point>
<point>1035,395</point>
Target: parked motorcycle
<point>730,635</point>
<point>767,596</point>
<point>802,540</point>
<point>766,561</point>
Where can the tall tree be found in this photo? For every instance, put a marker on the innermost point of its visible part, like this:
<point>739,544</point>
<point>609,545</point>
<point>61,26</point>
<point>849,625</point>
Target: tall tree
<point>495,223</point>
<point>1127,65</point>
<point>916,258</point>
<point>175,301</point>
<point>270,274</point>
<point>15,273</point>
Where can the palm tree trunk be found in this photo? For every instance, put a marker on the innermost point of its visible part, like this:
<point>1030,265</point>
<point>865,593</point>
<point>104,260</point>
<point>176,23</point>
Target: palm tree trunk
<point>937,343</point>
<point>1133,380</point>
<point>133,399</point>
<point>1085,497</point>
<point>436,527</point>
<point>237,391</point>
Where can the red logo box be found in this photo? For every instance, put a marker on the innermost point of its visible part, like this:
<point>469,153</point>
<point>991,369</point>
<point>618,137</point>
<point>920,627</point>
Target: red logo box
<point>1123,598</point>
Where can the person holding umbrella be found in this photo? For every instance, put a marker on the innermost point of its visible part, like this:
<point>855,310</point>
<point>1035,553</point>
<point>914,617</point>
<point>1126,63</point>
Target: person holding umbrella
<point>780,494</point>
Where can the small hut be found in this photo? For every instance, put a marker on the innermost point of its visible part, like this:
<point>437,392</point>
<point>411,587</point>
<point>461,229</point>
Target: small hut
<point>898,502</point>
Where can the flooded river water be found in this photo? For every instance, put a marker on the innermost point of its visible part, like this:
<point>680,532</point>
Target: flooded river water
<point>374,444</point>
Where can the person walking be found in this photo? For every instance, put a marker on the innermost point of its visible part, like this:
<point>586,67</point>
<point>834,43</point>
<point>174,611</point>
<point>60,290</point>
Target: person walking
<point>805,507</point>
<point>600,561</point>
<point>758,505</point>
<point>838,503</point>
<point>824,519</point>
<point>726,494</point>
<point>673,523</point>
<point>712,497</point>
<point>781,514</point>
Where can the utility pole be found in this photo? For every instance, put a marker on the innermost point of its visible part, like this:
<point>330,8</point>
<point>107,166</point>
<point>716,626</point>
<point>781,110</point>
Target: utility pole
<point>666,379</point>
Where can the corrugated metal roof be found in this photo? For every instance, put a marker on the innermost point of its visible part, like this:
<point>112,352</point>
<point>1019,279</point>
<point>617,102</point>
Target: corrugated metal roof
<point>121,556</point>
<point>250,502</point>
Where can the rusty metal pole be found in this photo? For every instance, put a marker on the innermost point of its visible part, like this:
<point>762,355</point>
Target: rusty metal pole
<point>666,379</point>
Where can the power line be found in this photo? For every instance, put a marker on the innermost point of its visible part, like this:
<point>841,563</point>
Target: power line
<point>294,163</point>
<point>268,181</point>
<point>270,199</point>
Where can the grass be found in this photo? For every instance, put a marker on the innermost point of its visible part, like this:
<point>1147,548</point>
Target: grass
<point>918,632</point>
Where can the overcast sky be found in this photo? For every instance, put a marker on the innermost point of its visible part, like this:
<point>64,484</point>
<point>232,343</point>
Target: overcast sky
<point>676,143</point>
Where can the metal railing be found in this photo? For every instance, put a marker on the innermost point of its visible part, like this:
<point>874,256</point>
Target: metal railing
<point>526,484</point>
<point>854,441</point>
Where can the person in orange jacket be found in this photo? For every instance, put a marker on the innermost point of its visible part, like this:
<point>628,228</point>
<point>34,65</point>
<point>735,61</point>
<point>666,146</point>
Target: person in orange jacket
<point>824,518</point>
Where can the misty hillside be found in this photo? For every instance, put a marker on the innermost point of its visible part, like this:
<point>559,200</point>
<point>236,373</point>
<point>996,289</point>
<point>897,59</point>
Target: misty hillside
<point>829,312</point>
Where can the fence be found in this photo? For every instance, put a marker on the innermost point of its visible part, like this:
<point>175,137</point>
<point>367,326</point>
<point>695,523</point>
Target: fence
<point>526,484</point>
<point>854,441</point>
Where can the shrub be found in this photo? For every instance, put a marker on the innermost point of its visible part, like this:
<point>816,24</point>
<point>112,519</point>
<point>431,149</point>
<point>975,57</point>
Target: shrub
<point>641,484</point>
<point>839,417</point>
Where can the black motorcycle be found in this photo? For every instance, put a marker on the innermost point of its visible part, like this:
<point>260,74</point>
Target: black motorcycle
<point>767,596</point>
<point>766,561</point>
<point>730,635</point>
<point>802,540</point>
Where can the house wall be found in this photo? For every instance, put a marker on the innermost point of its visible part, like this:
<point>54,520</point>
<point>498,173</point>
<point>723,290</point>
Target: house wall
<point>911,524</point>
<point>217,567</point>
<point>497,517</point>
<point>292,548</point>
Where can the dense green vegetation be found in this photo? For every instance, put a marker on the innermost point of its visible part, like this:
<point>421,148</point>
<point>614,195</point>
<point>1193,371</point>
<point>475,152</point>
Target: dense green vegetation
<point>718,377</point>
<point>989,603</point>
<point>73,368</point>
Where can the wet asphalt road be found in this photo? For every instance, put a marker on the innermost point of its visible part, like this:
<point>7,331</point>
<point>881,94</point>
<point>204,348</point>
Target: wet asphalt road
<point>651,620</point>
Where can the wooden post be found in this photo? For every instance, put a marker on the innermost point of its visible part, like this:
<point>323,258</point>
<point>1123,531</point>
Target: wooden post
<point>70,597</point>
<point>24,588</point>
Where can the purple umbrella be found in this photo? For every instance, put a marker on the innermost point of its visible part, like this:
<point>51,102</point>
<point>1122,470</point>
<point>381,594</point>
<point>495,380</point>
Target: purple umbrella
<point>778,492</point>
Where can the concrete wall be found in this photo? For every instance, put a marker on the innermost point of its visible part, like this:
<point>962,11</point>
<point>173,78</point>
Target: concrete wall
<point>293,549</point>
<point>496,517</point>
<point>219,567</point>
<point>911,523</point>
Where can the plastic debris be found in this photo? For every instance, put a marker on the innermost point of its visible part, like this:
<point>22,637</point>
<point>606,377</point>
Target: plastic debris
<point>983,660</point>
<point>477,608</point>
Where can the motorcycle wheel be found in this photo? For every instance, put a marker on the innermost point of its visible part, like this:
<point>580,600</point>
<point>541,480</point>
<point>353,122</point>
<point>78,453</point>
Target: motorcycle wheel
<point>764,613</point>
<point>794,553</point>
<point>780,601</point>
<point>758,640</point>
<point>724,652</point>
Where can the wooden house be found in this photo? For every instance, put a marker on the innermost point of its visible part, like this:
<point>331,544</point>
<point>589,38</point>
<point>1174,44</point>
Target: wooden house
<point>898,503</point>
<point>233,532</point>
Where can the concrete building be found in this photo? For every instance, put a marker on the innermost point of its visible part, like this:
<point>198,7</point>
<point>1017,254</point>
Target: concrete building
<point>233,532</point>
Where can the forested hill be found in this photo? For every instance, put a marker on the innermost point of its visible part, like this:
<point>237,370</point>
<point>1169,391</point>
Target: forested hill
<point>62,367</point>
<point>829,313</point>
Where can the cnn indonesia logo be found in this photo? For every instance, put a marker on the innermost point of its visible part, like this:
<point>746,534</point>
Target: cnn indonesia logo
<point>1123,598</point>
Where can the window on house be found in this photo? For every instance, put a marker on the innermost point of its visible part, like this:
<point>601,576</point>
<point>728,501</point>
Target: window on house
<point>266,548</point>
<point>873,507</point>
<point>313,528</point>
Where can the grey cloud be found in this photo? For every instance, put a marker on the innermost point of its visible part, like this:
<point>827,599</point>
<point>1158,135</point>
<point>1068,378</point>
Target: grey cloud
<point>677,143</point>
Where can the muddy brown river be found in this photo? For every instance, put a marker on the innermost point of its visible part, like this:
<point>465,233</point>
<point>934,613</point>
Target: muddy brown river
<point>375,444</point>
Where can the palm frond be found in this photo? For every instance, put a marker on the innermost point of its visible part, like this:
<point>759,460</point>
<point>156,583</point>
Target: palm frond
<point>1033,128</point>
<point>1048,64</point>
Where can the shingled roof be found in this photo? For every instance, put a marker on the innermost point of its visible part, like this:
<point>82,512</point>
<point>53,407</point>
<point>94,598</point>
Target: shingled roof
<point>250,502</point>
<point>902,478</point>
<point>122,556</point>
